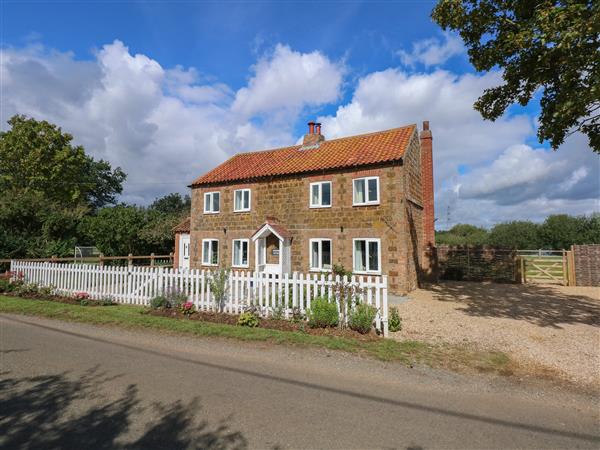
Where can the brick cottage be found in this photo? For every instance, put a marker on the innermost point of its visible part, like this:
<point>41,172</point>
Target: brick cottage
<point>365,202</point>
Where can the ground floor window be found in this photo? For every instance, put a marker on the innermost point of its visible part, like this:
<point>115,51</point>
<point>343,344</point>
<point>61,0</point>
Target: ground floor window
<point>367,255</point>
<point>210,252</point>
<point>240,253</point>
<point>320,254</point>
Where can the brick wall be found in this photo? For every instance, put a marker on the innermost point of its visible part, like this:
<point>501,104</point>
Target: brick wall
<point>287,200</point>
<point>587,264</point>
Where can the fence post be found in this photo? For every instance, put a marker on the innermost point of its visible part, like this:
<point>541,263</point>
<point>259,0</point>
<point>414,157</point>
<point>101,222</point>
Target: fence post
<point>129,261</point>
<point>152,259</point>
<point>572,277</point>
<point>564,264</point>
<point>523,275</point>
<point>101,262</point>
<point>385,306</point>
<point>171,258</point>
<point>54,257</point>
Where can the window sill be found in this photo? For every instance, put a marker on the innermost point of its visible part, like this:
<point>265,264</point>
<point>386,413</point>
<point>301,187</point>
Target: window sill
<point>210,265</point>
<point>319,207</point>
<point>238,211</point>
<point>361,272</point>
<point>315,270</point>
<point>247,266</point>
<point>366,204</point>
<point>212,212</point>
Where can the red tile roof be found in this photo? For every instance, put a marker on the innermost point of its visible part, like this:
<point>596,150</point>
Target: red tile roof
<point>353,151</point>
<point>183,227</point>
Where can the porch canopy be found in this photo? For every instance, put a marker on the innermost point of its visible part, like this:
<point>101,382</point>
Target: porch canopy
<point>268,228</point>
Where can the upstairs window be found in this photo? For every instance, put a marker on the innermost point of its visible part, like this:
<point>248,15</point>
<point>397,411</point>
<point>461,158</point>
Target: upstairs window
<point>366,191</point>
<point>240,253</point>
<point>210,252</point>
<point>367,255</point>
<point>320,194</point>
<point>212,202</point>
<point>241,200</point>
<point>320,254</point>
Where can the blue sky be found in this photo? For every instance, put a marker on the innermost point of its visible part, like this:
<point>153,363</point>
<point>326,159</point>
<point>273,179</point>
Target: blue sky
<point>169,89</point>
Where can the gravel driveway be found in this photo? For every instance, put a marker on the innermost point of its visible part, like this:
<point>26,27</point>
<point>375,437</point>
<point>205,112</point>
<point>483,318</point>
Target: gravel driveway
<point>548,327</point>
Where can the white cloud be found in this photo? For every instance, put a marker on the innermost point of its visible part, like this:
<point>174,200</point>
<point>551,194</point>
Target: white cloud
<point>287,81</point>
<point>164,127</point>
<point>432,51</point>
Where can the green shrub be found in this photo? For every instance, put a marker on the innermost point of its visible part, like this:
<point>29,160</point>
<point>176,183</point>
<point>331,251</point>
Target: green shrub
<point>107,301</point>
<point>362,317</point>
<point>247,319</point>
<point>6,285</point>
<point>278,313</point>
<point>323,313</point>
<point>47,291</point>
<point>84,302</point>
<point>158,302</point>
<point>394,323</point>
<point>174,298</point>
<point>26,289</point>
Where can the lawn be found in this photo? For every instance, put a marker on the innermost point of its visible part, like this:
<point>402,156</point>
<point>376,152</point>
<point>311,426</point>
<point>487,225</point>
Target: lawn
<point>407,352</point>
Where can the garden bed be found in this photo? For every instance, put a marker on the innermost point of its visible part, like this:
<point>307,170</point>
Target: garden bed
<point>271,324</point>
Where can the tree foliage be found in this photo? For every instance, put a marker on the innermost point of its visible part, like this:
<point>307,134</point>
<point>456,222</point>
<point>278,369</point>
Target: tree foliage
<point>556,232</point>
<point>47,186</point>
<point>123,229</point>
<point>36,156</point>
<point>545,46</point>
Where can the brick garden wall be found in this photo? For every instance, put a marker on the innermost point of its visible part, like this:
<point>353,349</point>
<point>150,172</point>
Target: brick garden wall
<point>587,264</point>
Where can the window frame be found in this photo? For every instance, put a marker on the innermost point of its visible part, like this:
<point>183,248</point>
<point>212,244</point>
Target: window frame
<point>367,271</point>
<point>210,251</point>
<point>367,202</point>
<point>321,268</point>
<point>320,204</point>
<point>211,194</point>
<point>233,262</point>
<point>249,199</point>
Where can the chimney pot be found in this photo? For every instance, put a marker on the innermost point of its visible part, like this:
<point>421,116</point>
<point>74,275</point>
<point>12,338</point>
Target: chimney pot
<point>426,124</point>
<point>318,128</point>
<point>311,128</point>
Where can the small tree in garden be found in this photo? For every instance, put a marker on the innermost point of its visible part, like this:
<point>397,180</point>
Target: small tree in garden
<point>344,291</point>
<point>219,284</point>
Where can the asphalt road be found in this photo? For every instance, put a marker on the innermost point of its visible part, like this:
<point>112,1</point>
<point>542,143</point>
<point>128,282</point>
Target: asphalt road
<point>83,387</point>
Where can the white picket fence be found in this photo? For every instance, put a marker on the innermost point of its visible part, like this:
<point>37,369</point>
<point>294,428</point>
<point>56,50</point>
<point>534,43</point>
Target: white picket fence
<point>137,285</point>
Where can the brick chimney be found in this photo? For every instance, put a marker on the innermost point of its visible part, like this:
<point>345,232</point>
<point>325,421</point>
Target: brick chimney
<point>314,135</point>
<point>427,185</point>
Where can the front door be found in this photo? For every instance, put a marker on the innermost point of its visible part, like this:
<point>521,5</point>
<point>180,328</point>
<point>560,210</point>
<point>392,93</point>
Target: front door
<point>184,251</point>
<point>273,254</point>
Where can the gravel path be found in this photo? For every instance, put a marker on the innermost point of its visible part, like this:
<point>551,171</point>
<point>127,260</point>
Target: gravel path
<point>548,327</point>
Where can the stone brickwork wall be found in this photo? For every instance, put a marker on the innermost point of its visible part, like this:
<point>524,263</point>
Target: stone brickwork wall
<point>587,264</point>
<point>287,200</point>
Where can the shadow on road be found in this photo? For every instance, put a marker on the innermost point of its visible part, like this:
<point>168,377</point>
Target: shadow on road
<point>56,412</point>
<point>538,304</point>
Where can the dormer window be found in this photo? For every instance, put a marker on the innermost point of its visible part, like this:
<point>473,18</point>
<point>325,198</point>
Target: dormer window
<point>212,202</point>
<point>365,191</point>
<point>320,194</point>
<point>241,200</point>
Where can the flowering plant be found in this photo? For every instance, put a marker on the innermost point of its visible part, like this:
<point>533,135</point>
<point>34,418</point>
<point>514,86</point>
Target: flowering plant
<point>81,295</point>
<point>188,308</point>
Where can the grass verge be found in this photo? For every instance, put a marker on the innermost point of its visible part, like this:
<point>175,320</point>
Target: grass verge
<point>406,352</point>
